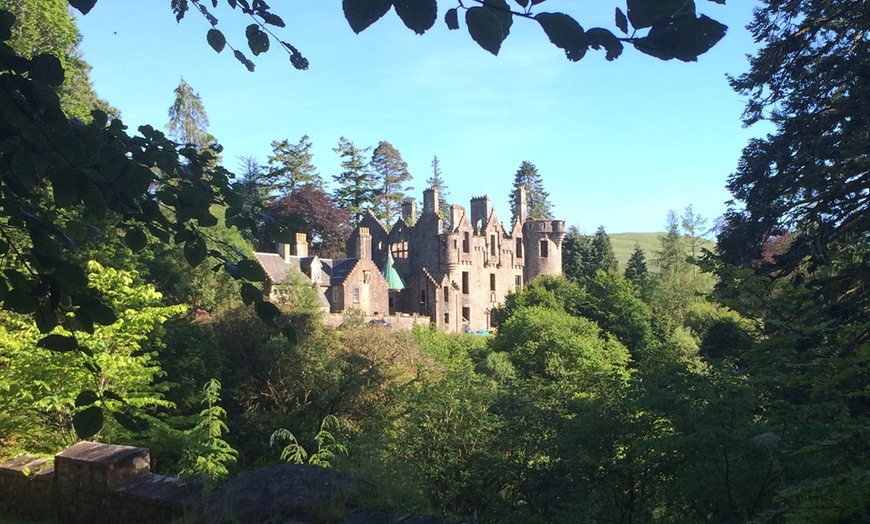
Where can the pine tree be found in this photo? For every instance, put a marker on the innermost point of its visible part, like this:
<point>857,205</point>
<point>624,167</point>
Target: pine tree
<point>188,121</point>
<point>671,258</point>
<point>602,252</point>
<point>292,165</point>
<point>356,187</point>
<point>636,269</point>
<point>391,172</point>
<point>437,182</point>
<point>537,203</point>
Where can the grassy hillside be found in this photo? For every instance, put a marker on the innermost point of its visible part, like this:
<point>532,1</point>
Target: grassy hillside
<point>623,245</point>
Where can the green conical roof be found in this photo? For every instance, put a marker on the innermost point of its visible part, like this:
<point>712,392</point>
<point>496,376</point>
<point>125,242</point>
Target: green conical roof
<point>394,281</point>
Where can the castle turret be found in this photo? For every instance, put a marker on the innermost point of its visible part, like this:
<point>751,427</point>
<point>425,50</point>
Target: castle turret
<point>479,212</point>
<point>542,240</point>
<point>520,204</point>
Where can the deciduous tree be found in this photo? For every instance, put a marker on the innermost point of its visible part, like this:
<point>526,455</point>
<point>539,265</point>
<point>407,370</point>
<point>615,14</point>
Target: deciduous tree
<point>328,226</point>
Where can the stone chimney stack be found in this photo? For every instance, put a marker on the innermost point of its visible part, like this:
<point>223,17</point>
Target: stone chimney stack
<point>286,251</point>
<point>409,211</point>
<point>521,205</point>
<point>456,212</point>
<point>479,212</point>
<point>430,200</point>
<point>364,244</point>
<point>301,247</point>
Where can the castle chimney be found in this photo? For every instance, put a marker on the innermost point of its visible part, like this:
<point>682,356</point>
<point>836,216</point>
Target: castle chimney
<point>409,211</point>
<point>430,200</point>
<point>285,251</point>
<point>521,205</point>
<point>479,212</point>
<point>364,244</point>
<point>456,212</point>
<point>301,247</point>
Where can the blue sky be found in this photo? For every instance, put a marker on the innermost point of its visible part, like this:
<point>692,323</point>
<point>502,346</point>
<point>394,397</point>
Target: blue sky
<point>617,143</point>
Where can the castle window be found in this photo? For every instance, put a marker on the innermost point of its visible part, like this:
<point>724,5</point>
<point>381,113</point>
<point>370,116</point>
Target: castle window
<point>446,318</point>
<point>465,282</point>
<point>466,314</point>
<point>466,242</point>
<point>518,281</point>
<point>367,277</point>
<point>545,249</point>
<point>519,249</point>
<point>399,249</point>
<point>422,297</point>
<point>492,281</point>
<point>446,294</point>
<point>493,247</point>
<point>356,295</point>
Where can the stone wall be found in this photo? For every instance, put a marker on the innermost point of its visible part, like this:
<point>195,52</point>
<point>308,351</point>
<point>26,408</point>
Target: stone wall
<point>93,483</point>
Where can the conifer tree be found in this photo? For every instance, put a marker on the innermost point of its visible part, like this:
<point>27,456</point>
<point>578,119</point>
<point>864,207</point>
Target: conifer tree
<point>671,258</point>
<point>437,181</point>
<point>602,252</point>
<point>391,174</point>
<point>188,121</point>
<point>537,199</point>
<point>292,166</point>
<point>355,186</point>
<point>636,269</point>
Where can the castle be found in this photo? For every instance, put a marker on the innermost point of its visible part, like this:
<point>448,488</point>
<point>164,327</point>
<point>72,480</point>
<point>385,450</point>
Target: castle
<point>453,274</point>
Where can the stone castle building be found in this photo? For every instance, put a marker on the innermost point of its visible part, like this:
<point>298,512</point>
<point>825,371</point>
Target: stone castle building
<point>454,273</point>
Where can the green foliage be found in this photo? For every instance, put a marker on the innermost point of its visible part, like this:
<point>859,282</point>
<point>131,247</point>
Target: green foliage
<point>327,445</point>
<point>291,166</point>
<point>188,121</point>
<point>636,270</point>
<point>437,181</point>
<point>45,390</point>
<point>207,454</point>
<point>583,256</point>
<point>537,204</point>
<point>391,174</point>
<point>356,188</point>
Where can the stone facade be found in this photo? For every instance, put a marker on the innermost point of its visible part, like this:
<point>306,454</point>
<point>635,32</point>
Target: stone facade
<point>454,275</point>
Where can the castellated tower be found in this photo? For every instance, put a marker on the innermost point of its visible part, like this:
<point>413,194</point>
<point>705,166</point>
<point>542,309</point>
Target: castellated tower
<point>542,240</point>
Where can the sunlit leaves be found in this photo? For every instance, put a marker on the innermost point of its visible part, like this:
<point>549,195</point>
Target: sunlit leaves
<point>360,14</point>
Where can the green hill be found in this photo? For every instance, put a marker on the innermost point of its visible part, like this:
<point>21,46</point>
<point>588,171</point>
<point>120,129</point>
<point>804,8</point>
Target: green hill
<point>623,246</point>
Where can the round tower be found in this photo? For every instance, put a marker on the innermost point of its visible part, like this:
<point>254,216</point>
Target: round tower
<point>542,240</point>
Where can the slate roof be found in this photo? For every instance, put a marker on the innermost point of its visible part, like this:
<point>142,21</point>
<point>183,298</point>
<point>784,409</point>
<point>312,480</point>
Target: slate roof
<point>275,266</point>
<point>338,269</point>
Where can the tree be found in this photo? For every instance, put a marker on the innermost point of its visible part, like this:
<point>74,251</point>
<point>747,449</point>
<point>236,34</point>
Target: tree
<point>356,188</point>
<point>328,225</point>
<point>188,121</point>
<point>291,165</point>
<point>583,256</point>
<point>671,258</point>
<point>603,257</point>
<point>437,182</point>
<point>693,230</point>
<point>391,173</point>
<point>636,270</point>
<point>46,27</point>
<point>537,205</point>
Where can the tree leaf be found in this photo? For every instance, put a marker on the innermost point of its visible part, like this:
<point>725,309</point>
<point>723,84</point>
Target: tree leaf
<point>251,270</point>
<point>216,39</point>
<point>244,60</point>
<point>46,317</point>
<point>258,41</point>
<point>195,251</point>
<point>88,422</point>
<point>136,239</point>
<point>645,13</point>
<point>621,21</point>
<point>485,28</point>
<point>451,18</point>
<point>273,19</point>
<point>684,38</point>
<point>86,398</point>
<point>522,3</point>
<point>267,312</point>
<point>59,343</point>
<point>360,14</point>
<point>47,69</point>
<point>100,313</point>
<point>134,424</point>
<point>84,6</point>
<point>599,38</point>
<point>417,15</point>
<point>564,32</point>
<point>250,294</point>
